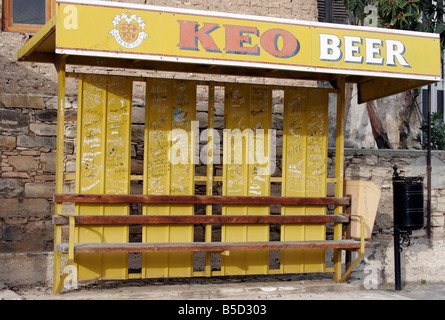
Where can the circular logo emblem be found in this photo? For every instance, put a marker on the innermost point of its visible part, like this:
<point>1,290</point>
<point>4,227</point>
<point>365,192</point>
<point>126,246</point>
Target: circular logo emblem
<point>128,30</point>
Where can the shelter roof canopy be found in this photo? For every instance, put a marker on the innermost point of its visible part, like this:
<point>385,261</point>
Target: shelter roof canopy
<point>112,34</point>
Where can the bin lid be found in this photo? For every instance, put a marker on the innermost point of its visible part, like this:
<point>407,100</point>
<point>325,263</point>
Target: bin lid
<point>407,180</point>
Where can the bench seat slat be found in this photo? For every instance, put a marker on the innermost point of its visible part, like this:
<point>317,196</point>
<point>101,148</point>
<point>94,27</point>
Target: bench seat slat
<point>202,219</point>
<point>207,246</point>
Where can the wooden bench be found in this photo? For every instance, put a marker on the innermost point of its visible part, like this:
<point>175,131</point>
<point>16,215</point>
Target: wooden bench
<point>71,248</point>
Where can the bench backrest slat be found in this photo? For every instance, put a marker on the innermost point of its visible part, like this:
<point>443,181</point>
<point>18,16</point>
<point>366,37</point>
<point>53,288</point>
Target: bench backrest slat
<point>225,200</point>
<point>209,219</point>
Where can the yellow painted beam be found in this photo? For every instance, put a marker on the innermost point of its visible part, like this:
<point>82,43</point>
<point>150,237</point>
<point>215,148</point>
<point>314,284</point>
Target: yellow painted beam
<point>60,67</point>
<point>209,178</point>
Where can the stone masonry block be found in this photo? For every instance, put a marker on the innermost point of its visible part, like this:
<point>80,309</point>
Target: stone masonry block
<point>46,115</point>
<point>36,141</point>
<point>43,129</point>
<point>13,121</point>
<point>441,204</point>
<point>138,115</point>
<point>21,101</point>
<point>39,190</point>
<point>8,141</point>
<point>48,162</point>
<point>14,174</point>
<point>23,163</point>
<point>24,208</point>
<point>12,233</point>
<point>10,188</point>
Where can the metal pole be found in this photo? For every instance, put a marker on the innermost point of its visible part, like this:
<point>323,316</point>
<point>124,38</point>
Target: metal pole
<point>428,167</point>
<point>397,250</point>
<point>397,267</point>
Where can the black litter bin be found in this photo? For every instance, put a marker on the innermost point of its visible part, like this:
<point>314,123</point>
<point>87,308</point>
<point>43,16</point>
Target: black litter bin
<point>408,203</point>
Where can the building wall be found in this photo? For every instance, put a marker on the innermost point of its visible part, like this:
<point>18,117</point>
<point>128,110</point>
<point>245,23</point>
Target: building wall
<point>28,139</point>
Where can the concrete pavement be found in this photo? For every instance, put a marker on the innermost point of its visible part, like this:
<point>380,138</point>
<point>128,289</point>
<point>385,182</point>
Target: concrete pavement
<point>229,289</point>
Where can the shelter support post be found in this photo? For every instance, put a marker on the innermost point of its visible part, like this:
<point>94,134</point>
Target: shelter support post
<point>60,65</point>
<point>349,265</point>
<point>428,167</point>
<point>339,170</point>
<point>209,191</point>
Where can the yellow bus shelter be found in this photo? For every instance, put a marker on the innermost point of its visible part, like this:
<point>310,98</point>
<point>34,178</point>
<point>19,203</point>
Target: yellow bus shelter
<point>117,35</point>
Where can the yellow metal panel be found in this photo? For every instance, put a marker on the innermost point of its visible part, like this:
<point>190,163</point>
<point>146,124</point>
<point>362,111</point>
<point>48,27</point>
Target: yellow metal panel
<point>90,123</point>
<point>157,170</point>
<point>103,166</point>
<point>259,148</point>
<point>117,169</point>
<point>169,169</point>
<point>246,162</point>
<point>304,171</point>
<point>293,174</point>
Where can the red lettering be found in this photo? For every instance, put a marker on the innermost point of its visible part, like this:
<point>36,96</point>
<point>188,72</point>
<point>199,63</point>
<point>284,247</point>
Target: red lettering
<point>190,33</point>
<point>237,37</point>
<point>269,42</point>
<point>279,43</point>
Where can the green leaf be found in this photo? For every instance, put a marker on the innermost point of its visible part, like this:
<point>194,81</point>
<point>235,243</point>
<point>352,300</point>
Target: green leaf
<point>403,4</point>
<point>440,28</point>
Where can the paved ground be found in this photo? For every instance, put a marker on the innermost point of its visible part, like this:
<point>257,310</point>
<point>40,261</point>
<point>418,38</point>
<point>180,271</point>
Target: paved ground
<point>229,289</point>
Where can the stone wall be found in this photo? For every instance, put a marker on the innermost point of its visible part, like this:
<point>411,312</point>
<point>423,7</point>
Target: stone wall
<point>423,260</point>
<point>377,166</point>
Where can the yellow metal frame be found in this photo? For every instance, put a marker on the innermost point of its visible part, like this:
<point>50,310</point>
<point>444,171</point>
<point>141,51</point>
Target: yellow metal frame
<point>59,280</point>
<point>60,276</point>
<point>362,248</point>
